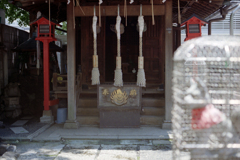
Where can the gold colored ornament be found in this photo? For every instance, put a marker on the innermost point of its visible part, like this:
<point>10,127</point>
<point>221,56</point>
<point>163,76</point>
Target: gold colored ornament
<point>133,93</point>
<point>118,97</point>
<point>105,92</point>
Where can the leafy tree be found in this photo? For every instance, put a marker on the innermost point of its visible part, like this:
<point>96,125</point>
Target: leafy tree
<point>64,27</point>
<point>14,13</point>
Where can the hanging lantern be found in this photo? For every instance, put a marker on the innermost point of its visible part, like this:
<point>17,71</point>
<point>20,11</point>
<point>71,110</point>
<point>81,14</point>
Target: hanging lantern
<point>193,27</point>
<point>46,34</point>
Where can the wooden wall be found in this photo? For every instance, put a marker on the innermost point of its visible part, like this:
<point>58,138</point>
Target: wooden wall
<point>153,49</point>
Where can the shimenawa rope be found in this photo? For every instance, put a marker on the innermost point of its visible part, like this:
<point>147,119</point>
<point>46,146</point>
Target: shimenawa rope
<point>95,70</point>
<point>141,80</point>
<point>118,72</point>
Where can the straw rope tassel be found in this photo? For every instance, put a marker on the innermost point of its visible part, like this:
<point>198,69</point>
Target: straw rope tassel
<point>118,72</point>
<point>153,20</point>
<point>80,7</point>
<point>99,9</point>
<point>179,14</point>
<point>95,70</point>
<point>141,80</point>
<point>73,14</point>
<point>125,12</point>
<point>100,23</point>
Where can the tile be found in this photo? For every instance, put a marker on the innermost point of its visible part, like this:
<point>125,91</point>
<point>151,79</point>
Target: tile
<point>18,130</point>
<point>19,123</point>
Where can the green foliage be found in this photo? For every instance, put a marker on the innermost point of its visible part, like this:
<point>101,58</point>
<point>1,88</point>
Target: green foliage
<point>64,27</point>
<point>14,13</point>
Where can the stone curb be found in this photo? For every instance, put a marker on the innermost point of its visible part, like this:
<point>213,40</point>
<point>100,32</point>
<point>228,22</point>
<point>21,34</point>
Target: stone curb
<point>31,136</point>
<point>39,131</point>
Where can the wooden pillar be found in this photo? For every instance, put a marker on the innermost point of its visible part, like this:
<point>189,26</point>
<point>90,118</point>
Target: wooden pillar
<point>168,64</point>
<point>71,69</point>
<point>32,17</point>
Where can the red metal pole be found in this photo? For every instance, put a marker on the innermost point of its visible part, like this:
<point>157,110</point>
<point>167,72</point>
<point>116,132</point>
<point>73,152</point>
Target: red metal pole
<point>46,74</point>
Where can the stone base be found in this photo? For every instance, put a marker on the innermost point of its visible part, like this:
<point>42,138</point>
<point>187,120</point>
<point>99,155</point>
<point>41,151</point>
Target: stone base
<point>167,125</point>
<point>47,117</point>
<point>71,124</point>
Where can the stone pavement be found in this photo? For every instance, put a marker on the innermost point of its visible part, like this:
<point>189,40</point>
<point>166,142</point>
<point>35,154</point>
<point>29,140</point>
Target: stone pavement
<point>56,132</point>
<point>93,150</point>
<point>94,143</point>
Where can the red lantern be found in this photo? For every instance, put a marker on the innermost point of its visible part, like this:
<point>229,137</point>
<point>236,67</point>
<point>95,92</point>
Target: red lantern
<point>193,27</point>
<point>46,30</point>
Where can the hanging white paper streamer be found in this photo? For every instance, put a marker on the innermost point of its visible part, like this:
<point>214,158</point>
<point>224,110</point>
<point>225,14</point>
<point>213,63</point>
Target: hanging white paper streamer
<point>95,70</point>
<point>141,80</point>
<point>118,72</point>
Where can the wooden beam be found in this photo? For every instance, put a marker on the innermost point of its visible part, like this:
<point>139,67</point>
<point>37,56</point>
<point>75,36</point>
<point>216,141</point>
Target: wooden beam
<point>132,10</point>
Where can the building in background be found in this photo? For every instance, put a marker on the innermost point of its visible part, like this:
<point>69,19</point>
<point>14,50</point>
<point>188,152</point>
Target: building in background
<point>221,27</point>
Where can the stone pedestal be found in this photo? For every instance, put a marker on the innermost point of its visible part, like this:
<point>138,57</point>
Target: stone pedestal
<point>71,124</point>
<point>167,125</point>
<point>47,117</point>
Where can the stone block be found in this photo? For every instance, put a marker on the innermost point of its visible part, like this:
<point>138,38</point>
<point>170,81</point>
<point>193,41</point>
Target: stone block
<point>47,117</point>
<point>164,142</point>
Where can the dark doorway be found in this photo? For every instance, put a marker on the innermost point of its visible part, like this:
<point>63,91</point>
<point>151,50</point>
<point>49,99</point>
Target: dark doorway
<point>129,49</point>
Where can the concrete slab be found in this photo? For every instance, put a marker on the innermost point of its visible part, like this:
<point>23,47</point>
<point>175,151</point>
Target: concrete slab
<point>136,142</point>
<point>75,151</point>
<point>19,123</point>
<point>157,142</point>
<point>154,153</point>
<point>84,150</point>
<point>47,150</point>
<point>18,130</point>
<point>118,152</point>
<point>94,133</point>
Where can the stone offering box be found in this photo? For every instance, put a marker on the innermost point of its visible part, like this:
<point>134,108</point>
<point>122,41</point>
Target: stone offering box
<point>119,106</point>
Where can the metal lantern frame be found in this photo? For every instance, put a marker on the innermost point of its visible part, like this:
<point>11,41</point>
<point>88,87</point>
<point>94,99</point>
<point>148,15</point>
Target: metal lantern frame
<point>215,62</point>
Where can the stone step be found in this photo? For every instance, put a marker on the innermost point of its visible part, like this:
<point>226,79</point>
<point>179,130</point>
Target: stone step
<point>153,111</point>
<point>88,120</point>
<point>87,112</point>
<point>144,120</point>
<point>153,102</point>
<point>146,102</point>
<point>151,120</point>
<point>87,103</point>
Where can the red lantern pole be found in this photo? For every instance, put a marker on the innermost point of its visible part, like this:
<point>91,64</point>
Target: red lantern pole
<point>46,35</point>
<point>46,73</point>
